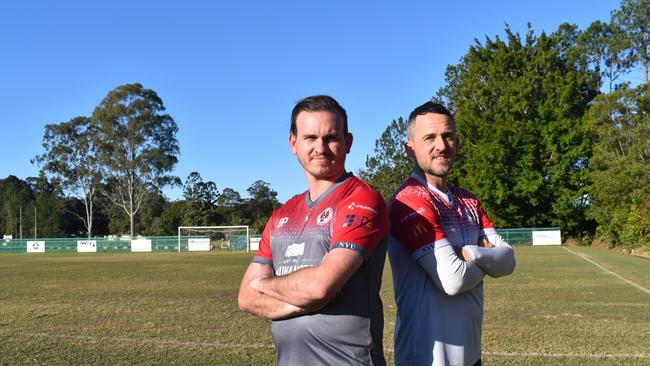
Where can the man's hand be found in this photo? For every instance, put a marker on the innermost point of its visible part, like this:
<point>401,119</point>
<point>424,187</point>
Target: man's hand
<point>483,242</point>
<point>252,301</point>
<point>465,254</point>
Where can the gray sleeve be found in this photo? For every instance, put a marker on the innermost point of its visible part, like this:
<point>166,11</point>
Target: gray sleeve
<point>450,273</point>
<point>496,262</point>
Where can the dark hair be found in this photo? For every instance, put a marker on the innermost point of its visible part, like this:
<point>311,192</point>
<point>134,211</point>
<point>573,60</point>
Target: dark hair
<point>317,103</point>
<point>429,107</point>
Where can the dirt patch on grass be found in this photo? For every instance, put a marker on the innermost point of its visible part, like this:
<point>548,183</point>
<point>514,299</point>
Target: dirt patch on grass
<point>597,243</point>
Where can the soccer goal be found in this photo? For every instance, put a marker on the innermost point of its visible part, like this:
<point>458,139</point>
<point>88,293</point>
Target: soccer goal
<point>207,238</point>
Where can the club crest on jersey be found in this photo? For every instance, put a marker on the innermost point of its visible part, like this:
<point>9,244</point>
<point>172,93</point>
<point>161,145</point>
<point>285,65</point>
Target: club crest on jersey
<point>282,221</point>
<point>324,216</point>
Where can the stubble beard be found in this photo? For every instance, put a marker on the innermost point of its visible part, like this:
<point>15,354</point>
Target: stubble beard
<point>440,173</point>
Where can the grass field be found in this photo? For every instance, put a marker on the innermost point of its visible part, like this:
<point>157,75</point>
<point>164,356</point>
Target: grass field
<point>180,309</point>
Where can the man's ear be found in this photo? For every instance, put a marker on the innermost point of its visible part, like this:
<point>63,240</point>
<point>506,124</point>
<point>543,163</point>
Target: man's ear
<point>408,146</point>
<point>348,142</point>
<point>292,143</point>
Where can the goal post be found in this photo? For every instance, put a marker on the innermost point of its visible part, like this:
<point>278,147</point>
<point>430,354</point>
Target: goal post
<point>208,238</point>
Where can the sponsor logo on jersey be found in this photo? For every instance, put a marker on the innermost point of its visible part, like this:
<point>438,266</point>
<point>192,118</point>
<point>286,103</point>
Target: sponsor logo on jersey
<point>282,221</point>
<point>419,229</point>
<point>324,216</point>
<point>352,220</point>
<point>354,205</point>
<point>417,212</point>
<point>295,250</point>
<point>347,245</point>
<point>285,270</point>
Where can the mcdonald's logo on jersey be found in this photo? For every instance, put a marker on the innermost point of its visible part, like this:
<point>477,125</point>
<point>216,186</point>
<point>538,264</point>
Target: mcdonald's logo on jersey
<point>419,229</point>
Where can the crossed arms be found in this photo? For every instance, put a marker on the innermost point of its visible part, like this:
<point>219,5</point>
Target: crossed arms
<point>263,294</point>
<point>455,273</point>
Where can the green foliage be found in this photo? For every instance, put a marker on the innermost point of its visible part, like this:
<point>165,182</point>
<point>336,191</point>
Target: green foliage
<point>201,199</point>
<point>71,159</point>
<point>607,50</point>
<point>619,169</point>
<point>137,145</point>
<point>633,21</point>
<point>36,205</point>
<point>263,200</point>
<point>232,208</point>
<point>389,166</point>
<point>50,215</point>
<point>636,230</point>
<point>14,194</point>
<point>153,205</point>
<point>112,167</point>
<point>519,107</point>
<point>169,220</point>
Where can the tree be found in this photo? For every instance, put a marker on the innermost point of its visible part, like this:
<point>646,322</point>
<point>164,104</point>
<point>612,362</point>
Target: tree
<point>231,208</point>
<point>263,200</point>
<point>519,108</point>
<point>15,195</point>
<point>229,198</point>
<point>138,146</point>
<point>49,208</point>
<point>633,19</point>
<point>201,199</point>
<point>607,50</point>
<point>619,170</point>
<point>71,158</point>
<point>169,220</point>
<point>153,205</point>
<point>389,166</point>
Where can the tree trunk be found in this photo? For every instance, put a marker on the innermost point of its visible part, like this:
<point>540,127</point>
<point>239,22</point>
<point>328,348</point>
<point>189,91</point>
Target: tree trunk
<point>131,216</point>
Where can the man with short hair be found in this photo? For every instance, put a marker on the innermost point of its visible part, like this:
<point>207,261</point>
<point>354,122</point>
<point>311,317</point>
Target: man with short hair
<point>317,273</point>
<point>442,244</point>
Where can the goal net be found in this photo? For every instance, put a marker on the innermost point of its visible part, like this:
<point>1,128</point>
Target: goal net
<point>207,238</point>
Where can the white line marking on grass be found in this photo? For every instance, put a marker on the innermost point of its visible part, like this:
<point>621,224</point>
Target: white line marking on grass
<point>608,271</point>
<point>566,355</point>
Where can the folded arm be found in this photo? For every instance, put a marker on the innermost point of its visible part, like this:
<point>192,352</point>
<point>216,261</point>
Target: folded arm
<point>260,304</point>
<point>449,272</point>
<point>312,287</point>
<point>495,256</point>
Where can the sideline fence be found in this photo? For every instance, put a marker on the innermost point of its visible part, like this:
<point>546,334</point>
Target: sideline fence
<point>524,236</point>
<point>99,244</point>
<point>518,236</point>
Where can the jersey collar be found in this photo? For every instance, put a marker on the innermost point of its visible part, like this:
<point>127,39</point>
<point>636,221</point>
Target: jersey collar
<point>447,197</point>
<point>309,203</point>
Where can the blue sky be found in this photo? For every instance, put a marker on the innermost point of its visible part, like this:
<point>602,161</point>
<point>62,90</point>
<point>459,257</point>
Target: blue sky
<point>229,73</point>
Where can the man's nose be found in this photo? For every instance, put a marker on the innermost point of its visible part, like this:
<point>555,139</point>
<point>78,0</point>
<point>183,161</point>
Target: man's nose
<point>319,145</point>
<point>440,144</point>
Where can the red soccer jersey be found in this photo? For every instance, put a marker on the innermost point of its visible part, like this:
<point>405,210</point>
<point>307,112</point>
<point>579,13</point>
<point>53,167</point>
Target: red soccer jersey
<point>349,330</point>
<point>350,215</point>
<point>432,327</point>
<point>420,217</point>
